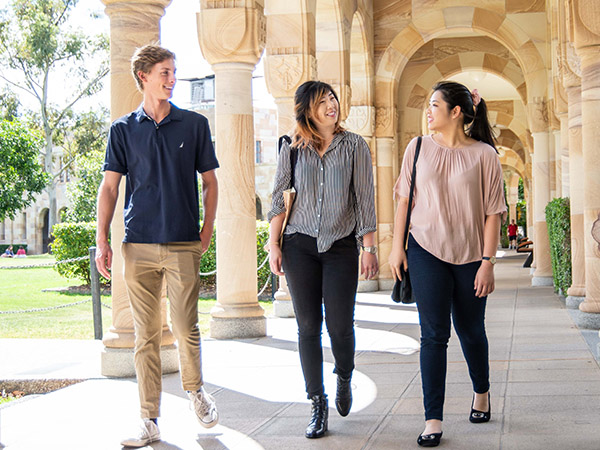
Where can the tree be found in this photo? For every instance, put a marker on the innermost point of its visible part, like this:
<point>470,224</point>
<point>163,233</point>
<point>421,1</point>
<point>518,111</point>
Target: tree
<point>82,192</point>
<point>21,175</point>
<point>37,42</point>
<point>9,105</point>
<point>85,141</point>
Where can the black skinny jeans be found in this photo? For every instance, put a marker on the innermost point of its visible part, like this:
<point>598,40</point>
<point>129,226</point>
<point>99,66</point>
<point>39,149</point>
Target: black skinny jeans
<point>316,279</point>
<point>443,290</point>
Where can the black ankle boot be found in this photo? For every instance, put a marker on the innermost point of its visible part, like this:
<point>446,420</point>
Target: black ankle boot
<point>343,397</point>
<point>319,414</point>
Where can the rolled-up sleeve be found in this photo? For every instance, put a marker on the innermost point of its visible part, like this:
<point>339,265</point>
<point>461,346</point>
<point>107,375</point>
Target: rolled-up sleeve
<point>283,177</point>
<point>493,184</point>
<point>402,186</point>
<point>364,189</point>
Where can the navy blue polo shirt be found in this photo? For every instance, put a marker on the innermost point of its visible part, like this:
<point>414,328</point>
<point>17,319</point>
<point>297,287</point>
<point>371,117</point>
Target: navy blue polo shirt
<point>161,162</point>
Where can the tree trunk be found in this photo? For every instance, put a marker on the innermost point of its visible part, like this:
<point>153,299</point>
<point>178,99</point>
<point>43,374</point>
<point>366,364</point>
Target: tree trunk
<point>51,188</point>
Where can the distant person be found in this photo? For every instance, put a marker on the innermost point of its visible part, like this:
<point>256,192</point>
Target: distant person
<point>512,234</point>
<point>458,178</point>
<point>8,253</point>
<point>332,217</point>
<point>21,252</point>
<point>161,149</point>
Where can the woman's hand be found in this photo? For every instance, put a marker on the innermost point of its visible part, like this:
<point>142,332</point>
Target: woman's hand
<point>369,265</point>
<point>396,260</point>
<point>275,259</point>
<point>484,280</point>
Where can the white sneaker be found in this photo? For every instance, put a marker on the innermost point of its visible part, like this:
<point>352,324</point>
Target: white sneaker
<point>148,433</point>
<point>204,406</point>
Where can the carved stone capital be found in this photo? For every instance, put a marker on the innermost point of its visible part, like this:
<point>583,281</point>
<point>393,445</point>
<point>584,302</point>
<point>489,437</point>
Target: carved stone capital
<point>384,121</point>
<point>538,114</point>
<point>361,120</point>
<point>585,16</point>
<point>231,34</point>
<point>285,72</point>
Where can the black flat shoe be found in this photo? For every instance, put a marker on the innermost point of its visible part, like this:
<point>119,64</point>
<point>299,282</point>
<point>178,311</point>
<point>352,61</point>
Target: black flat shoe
<point>481,416</point>
<point>319,415</point>
<point>343,398</point>
<point>429,440</point>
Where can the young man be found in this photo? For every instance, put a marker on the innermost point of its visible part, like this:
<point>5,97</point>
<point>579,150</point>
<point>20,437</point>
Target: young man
<point>160,148</point>
<point>512,234</point>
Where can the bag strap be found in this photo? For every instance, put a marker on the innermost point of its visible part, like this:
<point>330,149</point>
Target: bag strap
<point>293,155</point>
<point>412,190</point>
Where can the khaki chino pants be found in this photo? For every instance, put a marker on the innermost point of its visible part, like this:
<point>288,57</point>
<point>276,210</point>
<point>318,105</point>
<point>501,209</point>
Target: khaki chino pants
<point>145,267</point>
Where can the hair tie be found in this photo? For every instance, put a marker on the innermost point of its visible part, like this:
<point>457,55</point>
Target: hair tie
<point>476,97</point>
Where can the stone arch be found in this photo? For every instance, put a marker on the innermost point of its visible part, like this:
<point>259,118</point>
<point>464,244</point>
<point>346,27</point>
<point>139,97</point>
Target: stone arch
<point>42,230</point>
<point>436,23</point>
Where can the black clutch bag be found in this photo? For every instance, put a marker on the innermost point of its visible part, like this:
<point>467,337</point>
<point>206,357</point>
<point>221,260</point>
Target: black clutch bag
<point>402,292</point>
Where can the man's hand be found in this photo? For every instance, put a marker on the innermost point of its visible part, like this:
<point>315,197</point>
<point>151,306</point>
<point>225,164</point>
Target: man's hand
<point>104,256</point>
<point>205,236</point>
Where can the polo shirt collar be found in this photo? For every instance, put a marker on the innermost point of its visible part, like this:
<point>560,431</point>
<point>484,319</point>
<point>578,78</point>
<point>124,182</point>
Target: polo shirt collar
<point>174,114</point>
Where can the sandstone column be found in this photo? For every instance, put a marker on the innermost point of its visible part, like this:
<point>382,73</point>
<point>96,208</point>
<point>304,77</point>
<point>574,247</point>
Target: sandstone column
<point>541,186</point>
<point>290,61</point>
<point>513,196</point>
<point>133,23</point>
<point>361,120</point>
<point>557,193</point>
<point>385,205</point>
<point>232,37</point>
<point>576,293</point>
<point>590,112</point>
<point>564,155</point>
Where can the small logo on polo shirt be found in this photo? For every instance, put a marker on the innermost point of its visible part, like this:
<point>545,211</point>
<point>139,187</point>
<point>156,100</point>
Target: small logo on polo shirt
<point>181,146</point>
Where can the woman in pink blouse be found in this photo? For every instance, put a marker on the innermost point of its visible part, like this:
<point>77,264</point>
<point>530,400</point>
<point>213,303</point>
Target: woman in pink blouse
<point>454,231</point>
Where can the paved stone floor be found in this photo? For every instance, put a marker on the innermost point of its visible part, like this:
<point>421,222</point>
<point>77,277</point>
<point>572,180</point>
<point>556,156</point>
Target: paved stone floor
<point>545,386</point>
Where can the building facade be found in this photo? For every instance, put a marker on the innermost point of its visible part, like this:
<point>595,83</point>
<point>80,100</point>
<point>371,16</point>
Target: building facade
<point>383,57</point>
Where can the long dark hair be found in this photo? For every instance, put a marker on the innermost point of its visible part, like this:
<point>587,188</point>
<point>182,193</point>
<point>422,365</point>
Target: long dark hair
<point>475,117</point>
<point>306,100</point>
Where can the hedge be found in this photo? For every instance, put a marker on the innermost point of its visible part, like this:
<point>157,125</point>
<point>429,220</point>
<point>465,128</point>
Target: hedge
<point>558,220</point>
<point>73,239</point>
<point>209,259</point>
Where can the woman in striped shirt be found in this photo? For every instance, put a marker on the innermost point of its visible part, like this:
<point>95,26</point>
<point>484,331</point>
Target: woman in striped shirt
<point>332,216</point>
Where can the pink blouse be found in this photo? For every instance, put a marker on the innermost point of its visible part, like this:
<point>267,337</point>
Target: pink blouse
<point>455,189</point>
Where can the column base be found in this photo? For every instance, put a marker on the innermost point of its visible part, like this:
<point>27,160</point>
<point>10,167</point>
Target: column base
<point>386,284</point>
<point>238,328</point>
<point>283,309</point>
<point>118,362</point>
<point>542,281</point>
<point>368,286</point>
<point>585,320</point>
<point>572,302</point>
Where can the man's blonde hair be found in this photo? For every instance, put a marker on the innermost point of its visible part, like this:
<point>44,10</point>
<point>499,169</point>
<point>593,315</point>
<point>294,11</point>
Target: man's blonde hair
<point>145,58</point>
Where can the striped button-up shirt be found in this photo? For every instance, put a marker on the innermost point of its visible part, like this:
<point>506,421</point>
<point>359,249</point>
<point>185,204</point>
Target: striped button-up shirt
<point>335,193</point>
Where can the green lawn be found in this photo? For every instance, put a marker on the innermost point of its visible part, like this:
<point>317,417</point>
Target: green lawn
<point>21,289</point>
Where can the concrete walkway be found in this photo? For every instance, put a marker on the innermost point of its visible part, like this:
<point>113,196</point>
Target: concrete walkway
<point>545,386</point>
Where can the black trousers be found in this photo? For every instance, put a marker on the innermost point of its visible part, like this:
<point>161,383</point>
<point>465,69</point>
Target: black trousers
<point>443,290</point>
<point>316,279</point>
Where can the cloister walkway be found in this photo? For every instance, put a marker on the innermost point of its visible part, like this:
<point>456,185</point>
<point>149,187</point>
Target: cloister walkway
<point>545,386</point>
